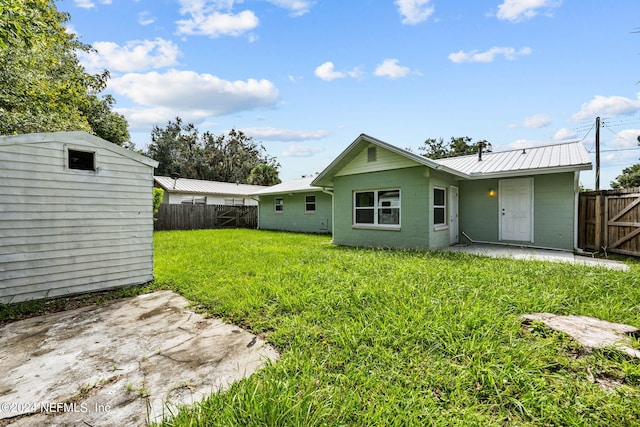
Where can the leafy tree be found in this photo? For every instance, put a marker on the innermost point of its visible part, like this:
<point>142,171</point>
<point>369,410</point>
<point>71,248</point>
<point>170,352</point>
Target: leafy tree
<point>264,175</point>
<point>460,146</point>
<point>43,86</point>
<point>158,194</point>
<point>629,178</point>
<point>179,148</point>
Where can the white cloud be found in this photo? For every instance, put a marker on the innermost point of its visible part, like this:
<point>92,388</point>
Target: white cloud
<point>564,133</point>
<point>216,24</point>
<point>627,138</point>
<point>274,134</point>
<point>611,106</point>
<point>414,11</point>
<point>326,72</point>
<point>145,18</point>
<point>509,54</point>
<point>534,122</point>
<point>297,7</point>
<point>89,4</point>
<point>521,10</point>
<point>300,151</point>
<point>390,68</point>
<point>136,55</point>
<point>189,94</point>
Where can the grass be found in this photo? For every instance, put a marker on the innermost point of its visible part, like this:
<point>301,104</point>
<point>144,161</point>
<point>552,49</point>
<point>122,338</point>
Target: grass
<point>378,337</point>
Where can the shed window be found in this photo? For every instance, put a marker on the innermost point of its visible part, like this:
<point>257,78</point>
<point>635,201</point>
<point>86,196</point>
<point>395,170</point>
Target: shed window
<point>279,205</point>
<point>309,204</point>
<point>81,160</point>
<point>377,208</point>
<point>439,206</point>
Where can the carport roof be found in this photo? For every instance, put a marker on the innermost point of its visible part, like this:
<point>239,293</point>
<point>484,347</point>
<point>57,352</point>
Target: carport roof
<point>197,186</point>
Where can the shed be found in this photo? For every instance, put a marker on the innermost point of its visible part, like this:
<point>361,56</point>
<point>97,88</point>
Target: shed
<point>76,215</point>
<point>295,205</point>
<point>385,196</point>
<point>202,192</point>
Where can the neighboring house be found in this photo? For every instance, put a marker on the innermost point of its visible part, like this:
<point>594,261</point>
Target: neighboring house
<point>76,216</point>
<point>200,192</point>
<point>294,206</point>
<point>384,196</point>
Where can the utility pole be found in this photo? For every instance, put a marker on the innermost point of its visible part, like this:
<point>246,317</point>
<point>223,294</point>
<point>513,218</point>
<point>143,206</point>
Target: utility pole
<point>597,153</point>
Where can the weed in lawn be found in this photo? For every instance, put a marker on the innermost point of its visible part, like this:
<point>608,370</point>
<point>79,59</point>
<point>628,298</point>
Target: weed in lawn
<point>381,337</point>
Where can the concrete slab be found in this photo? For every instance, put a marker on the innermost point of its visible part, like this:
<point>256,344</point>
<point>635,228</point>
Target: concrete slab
<point>125,363</point>
<point>535,254</point>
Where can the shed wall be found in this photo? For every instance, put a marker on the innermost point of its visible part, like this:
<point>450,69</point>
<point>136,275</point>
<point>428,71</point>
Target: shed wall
<point>66,231</point>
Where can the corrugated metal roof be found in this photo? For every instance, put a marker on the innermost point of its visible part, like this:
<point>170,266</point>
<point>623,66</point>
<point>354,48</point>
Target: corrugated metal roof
<point>293,186</point>
<point>545,159</point>
<point>197,186</point>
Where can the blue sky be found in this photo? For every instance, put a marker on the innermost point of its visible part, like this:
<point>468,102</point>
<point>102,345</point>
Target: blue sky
<point>306,77</point>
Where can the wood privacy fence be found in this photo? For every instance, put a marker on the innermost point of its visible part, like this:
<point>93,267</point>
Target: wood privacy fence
<point>610,221</point>
<point>195,217</point>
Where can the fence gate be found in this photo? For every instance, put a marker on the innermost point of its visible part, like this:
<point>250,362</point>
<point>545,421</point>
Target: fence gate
<point>610,221</point>
<point>193,217</point>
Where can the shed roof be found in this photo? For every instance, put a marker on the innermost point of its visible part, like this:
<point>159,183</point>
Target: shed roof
<point>76,137</point>
<point>300,185</point>
<point>198,186</point>
<point>569,156</point>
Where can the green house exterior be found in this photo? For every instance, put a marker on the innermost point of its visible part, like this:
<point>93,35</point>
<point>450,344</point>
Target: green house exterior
<point>384,196</point>
<point>295,206</point>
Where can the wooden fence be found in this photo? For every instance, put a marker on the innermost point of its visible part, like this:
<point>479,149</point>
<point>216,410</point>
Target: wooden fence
<point>610,221</point>
<point>194,217</point>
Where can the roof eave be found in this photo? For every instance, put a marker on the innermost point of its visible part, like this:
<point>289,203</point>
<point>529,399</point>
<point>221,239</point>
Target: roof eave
<point>527,172</point>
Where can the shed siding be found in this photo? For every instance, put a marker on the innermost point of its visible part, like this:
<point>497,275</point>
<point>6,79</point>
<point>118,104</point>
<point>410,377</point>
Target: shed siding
<point>293,216</point>
<point>67,231</point>
<point>415,202</point>
<point>385,160</point>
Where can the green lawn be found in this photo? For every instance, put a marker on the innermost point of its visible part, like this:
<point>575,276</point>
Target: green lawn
<point>378,337</point>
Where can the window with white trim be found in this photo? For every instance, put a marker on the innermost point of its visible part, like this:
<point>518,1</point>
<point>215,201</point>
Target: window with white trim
<point>279,205</point>
<point>377,208</point>
<point>309,204</point>
<point>439,206</point>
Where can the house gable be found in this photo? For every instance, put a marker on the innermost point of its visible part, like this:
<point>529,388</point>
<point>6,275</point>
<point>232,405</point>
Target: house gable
<point>373,158</point>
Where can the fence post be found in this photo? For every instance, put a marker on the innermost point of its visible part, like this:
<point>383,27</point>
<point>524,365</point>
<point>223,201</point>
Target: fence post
<point>598,222</point>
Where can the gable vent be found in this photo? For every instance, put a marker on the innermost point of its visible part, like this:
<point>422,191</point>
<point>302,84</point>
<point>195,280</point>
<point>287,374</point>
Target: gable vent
<point>371,154</point>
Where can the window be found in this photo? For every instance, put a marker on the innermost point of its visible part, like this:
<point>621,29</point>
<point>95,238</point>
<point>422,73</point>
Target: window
<point>194,200</point>
<point>279,205</point>
<point>309,204</point>
<point>81,160</point>
<point>439,206</point>
<point>377,208</point>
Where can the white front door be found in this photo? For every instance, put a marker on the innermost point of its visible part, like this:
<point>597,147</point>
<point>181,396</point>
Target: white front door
<point>453,215</point>
<point>516,209</point>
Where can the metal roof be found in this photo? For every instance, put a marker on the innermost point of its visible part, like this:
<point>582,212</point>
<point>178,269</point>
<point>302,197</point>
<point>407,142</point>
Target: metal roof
<point>301,185</point>
<point>197,186</point>
<point>570,156</point>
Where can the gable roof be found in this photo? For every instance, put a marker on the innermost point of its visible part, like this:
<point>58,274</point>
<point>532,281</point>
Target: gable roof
<point>198,186</point>
<point>325,178</point>
<point>301,185</point>
<point>76,137</point>
<point>565,157</point>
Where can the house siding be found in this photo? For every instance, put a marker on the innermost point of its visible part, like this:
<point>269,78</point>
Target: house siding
<point>553,216</point>
<point>293,216</point>
<point>415,204</point>
<point>69,231</point>
<point>385,160</point>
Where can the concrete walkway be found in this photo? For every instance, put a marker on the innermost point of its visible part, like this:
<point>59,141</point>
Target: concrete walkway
<point>519,252</point>
<point>126,363</point>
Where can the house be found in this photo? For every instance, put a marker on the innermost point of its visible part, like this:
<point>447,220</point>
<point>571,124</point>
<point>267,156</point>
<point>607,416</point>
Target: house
<point>294,206</point>
<point>76,216</point>
<point>196,191</point>
<point>384,196</point>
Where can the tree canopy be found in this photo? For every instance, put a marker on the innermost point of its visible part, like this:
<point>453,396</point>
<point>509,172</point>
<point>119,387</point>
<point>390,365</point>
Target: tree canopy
<point>629,178</point>
<point>457,146</point>
<point>235,157</point>
<point>43,86</point>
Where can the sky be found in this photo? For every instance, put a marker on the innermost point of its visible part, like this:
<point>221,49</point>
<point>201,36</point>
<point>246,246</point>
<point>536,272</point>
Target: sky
<point>306,77</point>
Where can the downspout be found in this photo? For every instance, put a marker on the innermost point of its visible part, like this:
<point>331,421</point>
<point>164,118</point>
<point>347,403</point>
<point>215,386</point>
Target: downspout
<point>519,245</point>
<point>576,212</point>
<point>330,192</point>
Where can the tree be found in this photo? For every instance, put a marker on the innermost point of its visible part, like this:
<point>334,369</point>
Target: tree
<point>264,175</point>
<point>179,148</point>
<point>629,178</point>
<point>460,146</point>
<point>43,86</point>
